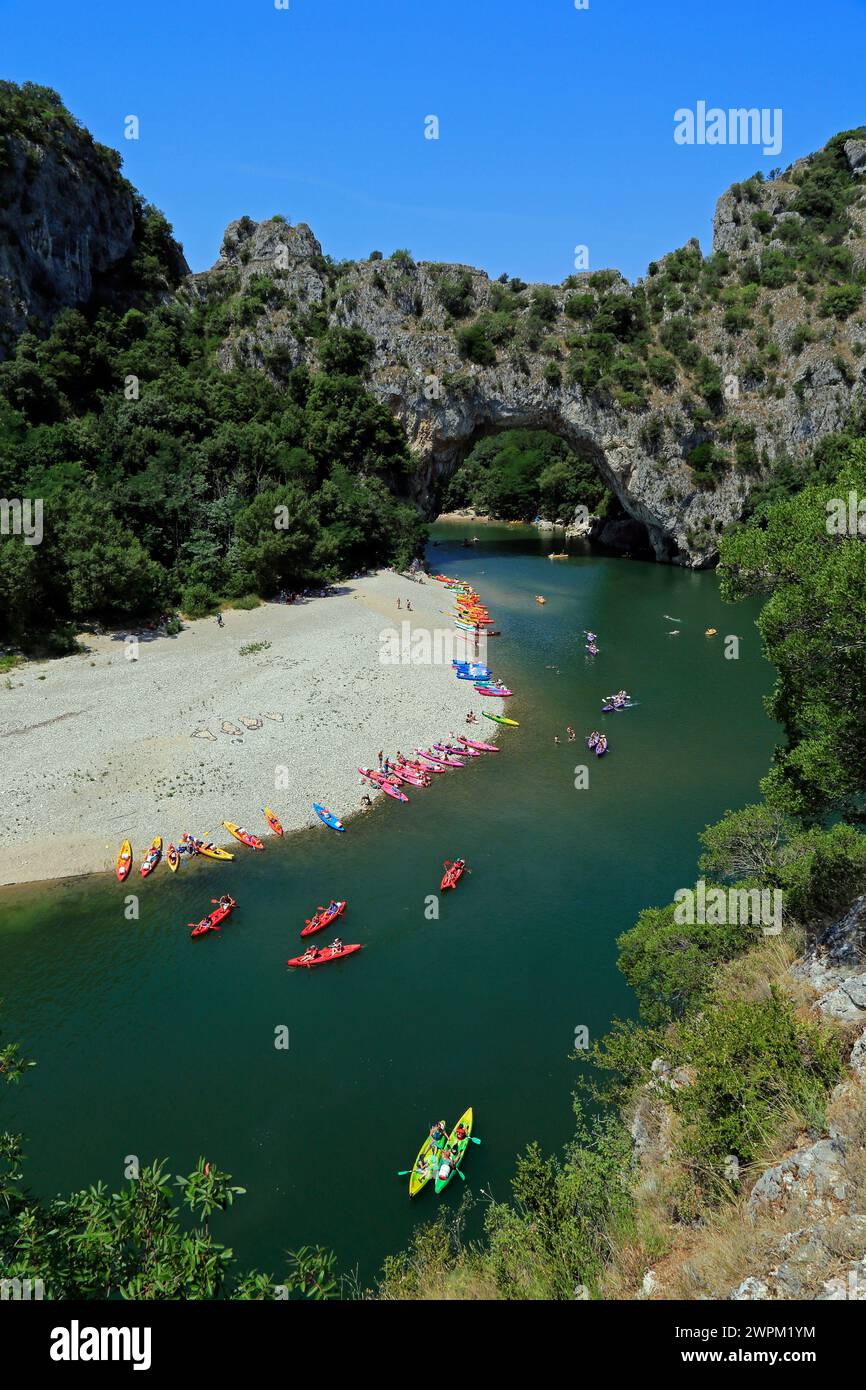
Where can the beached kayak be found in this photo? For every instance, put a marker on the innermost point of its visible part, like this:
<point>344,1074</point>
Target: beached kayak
<point>404,773</point>
<point>124,861</point>
<point>172,858</point>
<point>447,761</point>
<point>323,917</point>
<point>453,873</point>
<point>477,744</point>
<point>212,851</point>
<point>272,820</point>
<point>152,858</point>
<point>328,818</point>
<point>445,1171</point>
<point>213,919</point>
<point>379,780</point>
<point>501,719</point>
<point>245,836</point>
<point>322,957</point>
<point>460,749</point>
<point>498,692</point>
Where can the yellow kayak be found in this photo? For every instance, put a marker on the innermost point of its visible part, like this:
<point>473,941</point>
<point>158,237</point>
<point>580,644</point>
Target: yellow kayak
<point>212,852</point>
<point>418,1180</point>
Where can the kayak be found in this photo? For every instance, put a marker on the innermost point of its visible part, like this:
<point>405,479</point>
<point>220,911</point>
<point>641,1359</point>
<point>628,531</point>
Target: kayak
<point>499,692</point>
<point>453,873</point>
<point>408,775</point>
<point>461,1146</point>
<point>426,769</point>
<point>124,861</point>
<point>458,749</point>
<point>212,921</point>
<point>245,837</point>
<point>152,858</point>
<point>324,956</point>
<point>272,820</point>
<point>475,743</point>
<point>328,818</point>
<point>172,858</point>
<point>428,1150</point>
<point>448,761</point>
<point>380,780</point>
<point>212,851</point>
<point>501,719</point>
<point>323,917</point>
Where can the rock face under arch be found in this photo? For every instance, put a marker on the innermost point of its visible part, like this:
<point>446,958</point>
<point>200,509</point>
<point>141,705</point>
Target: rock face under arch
<point>641,450</point>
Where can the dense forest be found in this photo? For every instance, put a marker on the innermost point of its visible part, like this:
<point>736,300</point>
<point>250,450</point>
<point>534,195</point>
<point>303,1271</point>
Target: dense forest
<point>165,480</point>
<point>523,474</point>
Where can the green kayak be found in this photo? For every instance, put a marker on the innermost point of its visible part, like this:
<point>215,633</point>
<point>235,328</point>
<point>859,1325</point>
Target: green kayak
<point>457,1146</point>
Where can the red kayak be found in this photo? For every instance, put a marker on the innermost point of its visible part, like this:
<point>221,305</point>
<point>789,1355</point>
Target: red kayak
<point>475,743</point>
<point>212,921</point>
<point>453,873</point>
<point>322,957</point>
<point>323,917</point>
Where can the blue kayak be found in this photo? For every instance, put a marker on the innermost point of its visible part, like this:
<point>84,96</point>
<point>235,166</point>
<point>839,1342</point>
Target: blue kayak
<point>328,817</point>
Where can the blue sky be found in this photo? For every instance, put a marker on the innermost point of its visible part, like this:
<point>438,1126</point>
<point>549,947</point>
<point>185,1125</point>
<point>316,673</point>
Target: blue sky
<point>556,124</point>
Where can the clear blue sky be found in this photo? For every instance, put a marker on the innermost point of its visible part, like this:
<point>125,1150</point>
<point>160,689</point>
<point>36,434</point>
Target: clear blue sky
<point>556,125</point>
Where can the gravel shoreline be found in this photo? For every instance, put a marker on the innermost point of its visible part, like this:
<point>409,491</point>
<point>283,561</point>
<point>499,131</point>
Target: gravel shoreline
<point>97,747</point>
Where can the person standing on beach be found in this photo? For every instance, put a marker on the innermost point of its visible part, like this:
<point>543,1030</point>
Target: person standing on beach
<point>398,604</point>
<point>380,756</point>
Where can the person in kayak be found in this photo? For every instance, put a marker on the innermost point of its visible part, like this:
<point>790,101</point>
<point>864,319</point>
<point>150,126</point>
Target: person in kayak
<point>311,953</point>
<point>461,1133</point>
<point>446,1165</point>
<point>336,947</point>
<point>438,1135</point>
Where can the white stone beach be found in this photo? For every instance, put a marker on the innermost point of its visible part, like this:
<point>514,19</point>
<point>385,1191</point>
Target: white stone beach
<point>97,748</point>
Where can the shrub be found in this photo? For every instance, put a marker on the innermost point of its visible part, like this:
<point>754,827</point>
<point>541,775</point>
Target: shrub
<point>840,301</point>
<point>474,345</point>
<point>197,601</point>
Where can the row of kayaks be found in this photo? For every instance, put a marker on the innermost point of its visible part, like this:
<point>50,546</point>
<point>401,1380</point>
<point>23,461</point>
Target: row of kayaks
<point>441,1154</point>
<point>189,846</point>
<point>418,771</point>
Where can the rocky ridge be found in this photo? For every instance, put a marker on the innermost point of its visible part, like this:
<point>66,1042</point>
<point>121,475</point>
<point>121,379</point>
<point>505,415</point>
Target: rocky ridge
<point>736,352</point>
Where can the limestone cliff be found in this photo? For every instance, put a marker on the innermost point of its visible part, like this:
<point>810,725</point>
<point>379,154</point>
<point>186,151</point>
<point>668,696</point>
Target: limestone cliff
<point>70,224</point>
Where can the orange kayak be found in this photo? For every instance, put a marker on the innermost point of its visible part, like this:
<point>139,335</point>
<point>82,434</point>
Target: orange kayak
<point>245,836</point>
<point>124,861</point>
<point>272,820</point>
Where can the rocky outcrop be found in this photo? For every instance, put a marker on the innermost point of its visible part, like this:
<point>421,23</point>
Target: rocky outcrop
<point>68,219</point>
<point>446,402</point>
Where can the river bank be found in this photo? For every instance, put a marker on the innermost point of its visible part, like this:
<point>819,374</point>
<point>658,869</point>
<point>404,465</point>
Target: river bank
<point>279,707</point>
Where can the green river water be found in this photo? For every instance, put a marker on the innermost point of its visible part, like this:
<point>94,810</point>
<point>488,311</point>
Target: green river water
<point>151,1045</point>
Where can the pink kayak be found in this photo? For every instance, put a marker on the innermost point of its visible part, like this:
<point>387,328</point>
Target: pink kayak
<point>425,769</point>
<point>449,761</point>
<point>379,780</point>
<point>475,743</point>
<point>407,774</point>
<point>446,748</point>
<point>498,691</point>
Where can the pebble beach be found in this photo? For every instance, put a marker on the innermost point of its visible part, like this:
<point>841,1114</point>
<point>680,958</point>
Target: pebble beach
<point>278,707</point>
